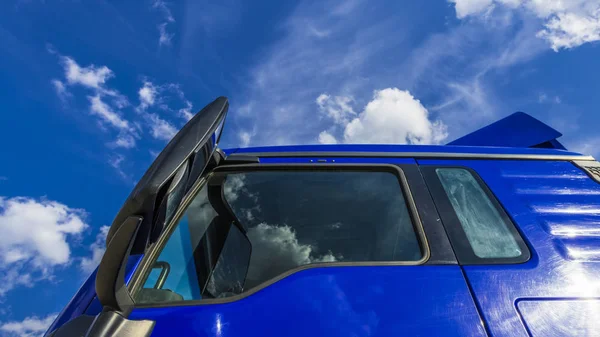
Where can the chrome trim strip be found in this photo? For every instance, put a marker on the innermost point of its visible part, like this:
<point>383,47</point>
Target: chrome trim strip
<point>416,155</point>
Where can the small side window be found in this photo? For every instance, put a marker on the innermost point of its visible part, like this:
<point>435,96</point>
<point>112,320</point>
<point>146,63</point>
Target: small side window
<point>486,231</point>
<point>479,229</point>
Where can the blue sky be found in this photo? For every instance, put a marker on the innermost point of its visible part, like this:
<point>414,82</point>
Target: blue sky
<point>91,91</point>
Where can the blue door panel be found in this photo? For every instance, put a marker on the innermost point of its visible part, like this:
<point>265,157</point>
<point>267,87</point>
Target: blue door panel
<point>78,304</point>
<point>556,207</point>
<point>85,300</point>
<point>336,301</point>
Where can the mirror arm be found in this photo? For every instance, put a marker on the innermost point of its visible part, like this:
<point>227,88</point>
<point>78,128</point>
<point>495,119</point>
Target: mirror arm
<point>111,289</point>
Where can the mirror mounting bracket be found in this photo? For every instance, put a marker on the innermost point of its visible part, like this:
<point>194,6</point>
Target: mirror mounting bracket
<point>111,289</point>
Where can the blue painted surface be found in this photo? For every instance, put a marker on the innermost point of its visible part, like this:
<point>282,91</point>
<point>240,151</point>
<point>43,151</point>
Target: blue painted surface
<point>400,148</point>
<point>336,301</point>
<point>554,205</point>
<point>560,317</point>
<point>78,304</point>
<point>557,208</point>
<point>516,130</point>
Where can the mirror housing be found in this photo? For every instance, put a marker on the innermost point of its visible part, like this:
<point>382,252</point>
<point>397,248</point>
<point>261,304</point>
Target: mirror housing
<point>194,136</point>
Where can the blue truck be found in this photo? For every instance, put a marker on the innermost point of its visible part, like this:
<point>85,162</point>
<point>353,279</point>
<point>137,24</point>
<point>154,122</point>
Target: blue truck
<point>494,234</point>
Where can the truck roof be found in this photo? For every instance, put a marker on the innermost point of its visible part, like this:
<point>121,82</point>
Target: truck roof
<point>417,151</point>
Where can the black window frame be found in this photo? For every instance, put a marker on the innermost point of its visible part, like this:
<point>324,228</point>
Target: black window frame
<point>456,233</point>
<point>153,252</point>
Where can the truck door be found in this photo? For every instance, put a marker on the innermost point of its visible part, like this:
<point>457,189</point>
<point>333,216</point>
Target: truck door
<point>303,249</point>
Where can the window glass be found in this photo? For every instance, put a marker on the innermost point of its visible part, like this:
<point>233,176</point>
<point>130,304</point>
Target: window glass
<point>244,229</point>
<point>487,232</point>
<point>228,276</point>
<point>178,252</point>
<point>298,218</point>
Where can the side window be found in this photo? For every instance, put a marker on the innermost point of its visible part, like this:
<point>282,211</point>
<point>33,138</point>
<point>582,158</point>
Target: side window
<point>180,281</point>
<point>244,229</point>
<point>479,229</point>
<point>206,256</point>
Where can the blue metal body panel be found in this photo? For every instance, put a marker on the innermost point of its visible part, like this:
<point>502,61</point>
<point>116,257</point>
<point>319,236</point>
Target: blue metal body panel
<point>336,301</point>
<point>560,317</point>
<point>516,130</point>
<point>400,148</point>
<point>557,209</point>
<point>78,304</point>
<point>85,300</point>
<point>555,206</point>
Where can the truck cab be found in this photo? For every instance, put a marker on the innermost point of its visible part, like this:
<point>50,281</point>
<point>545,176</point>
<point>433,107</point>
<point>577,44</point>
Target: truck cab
<point>494,234</point>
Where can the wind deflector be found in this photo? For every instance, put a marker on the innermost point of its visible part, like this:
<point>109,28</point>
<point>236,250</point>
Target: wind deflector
<point>516,130</point>
<point>199,132</point>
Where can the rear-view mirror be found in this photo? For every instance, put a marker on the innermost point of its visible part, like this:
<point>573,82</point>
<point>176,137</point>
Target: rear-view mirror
<point>198,138</point>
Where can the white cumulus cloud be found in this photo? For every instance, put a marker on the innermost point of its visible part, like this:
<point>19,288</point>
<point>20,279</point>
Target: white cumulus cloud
<point>31,326</point>
<point>327,138</point>
<point>366,49</point>
<point>34,238</point>
<point>566,24</point>
<point>569,30</point>
<point>392,116</point>
<point>337,108</point>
